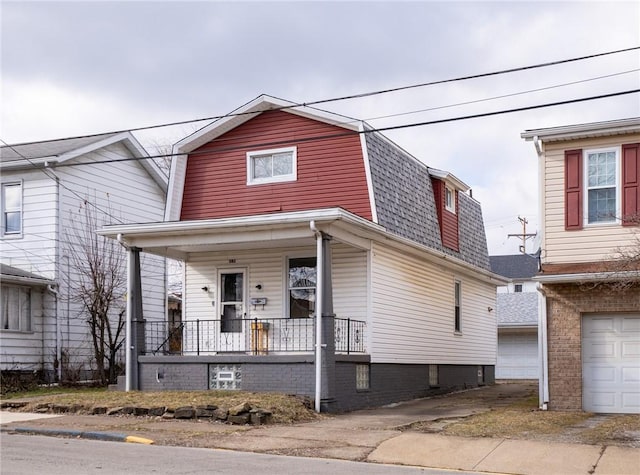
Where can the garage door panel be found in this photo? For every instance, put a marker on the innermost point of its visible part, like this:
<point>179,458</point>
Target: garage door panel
<point>631,349</point>
<point>517,356</point>
<point>603,375</point>
<point>611,363</point>
<point>631,401</point>
<point>602,350</point>
<point>631,375</point>
<point>599,325</point>
<point>631,326</point>
<point>603,401</point>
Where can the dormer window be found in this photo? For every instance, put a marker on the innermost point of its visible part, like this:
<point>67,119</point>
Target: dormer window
<point>271,166</point>
<point>450,199</point>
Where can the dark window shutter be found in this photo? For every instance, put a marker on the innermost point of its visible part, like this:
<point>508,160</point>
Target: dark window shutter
<point>573,189</point>
<point>630,184</point>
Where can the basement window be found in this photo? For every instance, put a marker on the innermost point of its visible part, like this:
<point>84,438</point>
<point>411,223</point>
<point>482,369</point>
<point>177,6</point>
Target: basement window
<point>363,372</point>
<point>434,376</point>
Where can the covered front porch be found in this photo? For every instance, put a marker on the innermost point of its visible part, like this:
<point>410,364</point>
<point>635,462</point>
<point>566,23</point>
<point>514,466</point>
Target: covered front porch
<point>257,290</point>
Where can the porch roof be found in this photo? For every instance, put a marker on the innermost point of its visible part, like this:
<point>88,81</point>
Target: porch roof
<point>178,239</point>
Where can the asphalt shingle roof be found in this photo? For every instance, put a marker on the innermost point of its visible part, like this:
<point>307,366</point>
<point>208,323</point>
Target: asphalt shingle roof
<point>518,266</point>
<point>520,308</point>
<point>48,148</point>
<point>8,272</point>
<point>406,206</point>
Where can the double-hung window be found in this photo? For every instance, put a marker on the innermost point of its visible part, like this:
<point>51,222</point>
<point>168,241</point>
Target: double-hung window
<point>11,209</point>
<point>601,173</point>
<point>16,308</point>
<point>450,199</point>
<point>302,287</point>
<point>271,166</point>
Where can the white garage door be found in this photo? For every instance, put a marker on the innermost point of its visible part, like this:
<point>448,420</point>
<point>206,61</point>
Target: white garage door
<point>517,356</point>
<point>611,363</point>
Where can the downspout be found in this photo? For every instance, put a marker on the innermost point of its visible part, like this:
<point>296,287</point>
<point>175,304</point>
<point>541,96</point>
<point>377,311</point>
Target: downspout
<point>128,370</point>
<point>319,291</point>
<point>52,289</point>
<point>57,277</point>
<point>543,381</point>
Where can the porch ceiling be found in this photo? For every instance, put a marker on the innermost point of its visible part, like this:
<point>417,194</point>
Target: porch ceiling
<point>286,230</point>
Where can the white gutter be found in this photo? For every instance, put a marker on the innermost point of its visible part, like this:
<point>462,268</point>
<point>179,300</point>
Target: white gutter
<point>319,292</point>
<point>587,277</point>
<point>543,381</point>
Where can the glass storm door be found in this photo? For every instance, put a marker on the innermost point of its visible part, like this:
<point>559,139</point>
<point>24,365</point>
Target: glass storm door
<point>232,302</point>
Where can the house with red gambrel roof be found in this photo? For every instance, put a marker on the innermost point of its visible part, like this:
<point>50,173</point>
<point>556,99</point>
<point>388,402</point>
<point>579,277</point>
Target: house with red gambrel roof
<point>320,259</point>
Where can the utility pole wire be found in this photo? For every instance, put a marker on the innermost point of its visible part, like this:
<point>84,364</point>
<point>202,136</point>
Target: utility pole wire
<point>205,150</point>
<point>366,94</point>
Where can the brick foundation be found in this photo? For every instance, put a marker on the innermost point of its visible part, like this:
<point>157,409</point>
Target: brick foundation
<point>566,304</point>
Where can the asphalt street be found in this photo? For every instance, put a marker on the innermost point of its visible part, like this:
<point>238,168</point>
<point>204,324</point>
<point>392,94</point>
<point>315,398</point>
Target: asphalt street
<point>26,455</point>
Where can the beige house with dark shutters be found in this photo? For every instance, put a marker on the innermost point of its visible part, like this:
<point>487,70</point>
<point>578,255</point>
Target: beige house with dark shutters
<point>589,280</point>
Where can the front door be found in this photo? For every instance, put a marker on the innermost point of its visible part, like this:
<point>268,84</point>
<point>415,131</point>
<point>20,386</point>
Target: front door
<point>232,310</point>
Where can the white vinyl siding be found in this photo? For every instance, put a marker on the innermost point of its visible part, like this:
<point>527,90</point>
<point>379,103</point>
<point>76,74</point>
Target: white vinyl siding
<point>592,243</point>
<point>24,350</point>
<point>413,308</point>
<point>112,200</point>
<point>123,189</point>
<point>267,268</point>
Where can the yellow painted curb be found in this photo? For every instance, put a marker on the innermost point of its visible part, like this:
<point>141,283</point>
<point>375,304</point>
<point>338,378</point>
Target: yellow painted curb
<point>138,440</point>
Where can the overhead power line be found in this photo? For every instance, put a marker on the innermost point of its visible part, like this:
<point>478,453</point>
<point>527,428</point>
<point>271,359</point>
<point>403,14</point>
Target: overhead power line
<point>214,149</point>
<point>52,176</point>
<point>366,94</point>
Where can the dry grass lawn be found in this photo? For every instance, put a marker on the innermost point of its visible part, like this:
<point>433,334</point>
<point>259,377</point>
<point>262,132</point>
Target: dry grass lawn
<point>285,408</point>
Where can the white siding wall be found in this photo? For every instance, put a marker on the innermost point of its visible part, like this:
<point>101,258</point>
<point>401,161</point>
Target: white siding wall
<point>592,243</point>
<point>268,268</point>
<point>527,286</point>
<point>24,350</point>
<point>413,313</point>
<point>122,189</point>
<point>120,192</point>
<point>35,249</point>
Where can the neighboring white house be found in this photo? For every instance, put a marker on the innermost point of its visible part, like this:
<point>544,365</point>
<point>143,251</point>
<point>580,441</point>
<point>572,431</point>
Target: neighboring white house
<point>45,188</point>
<point>517,313</point>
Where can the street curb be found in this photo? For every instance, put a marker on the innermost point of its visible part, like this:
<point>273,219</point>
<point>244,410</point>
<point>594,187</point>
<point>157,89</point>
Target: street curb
<point>110,436</point>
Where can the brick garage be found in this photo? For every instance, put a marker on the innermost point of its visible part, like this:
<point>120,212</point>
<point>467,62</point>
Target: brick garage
<point>566,305</point>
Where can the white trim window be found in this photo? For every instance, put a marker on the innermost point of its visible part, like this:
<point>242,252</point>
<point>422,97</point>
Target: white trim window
<point>11,208</point>
<point>272,166</point>
<point>602,179</point>
<point>301,287</point>
<point>450,199</point>
<point>15,313</point>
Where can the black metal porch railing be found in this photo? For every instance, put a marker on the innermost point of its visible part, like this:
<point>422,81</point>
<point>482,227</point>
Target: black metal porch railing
<point>249,336</point>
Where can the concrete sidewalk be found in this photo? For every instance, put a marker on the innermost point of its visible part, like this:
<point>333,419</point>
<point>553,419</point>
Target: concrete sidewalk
<point>336,438</point>
<point>506,456</point>
<point>376,435</point>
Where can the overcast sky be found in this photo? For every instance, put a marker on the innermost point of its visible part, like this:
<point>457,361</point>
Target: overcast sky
<point>74,68</point>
